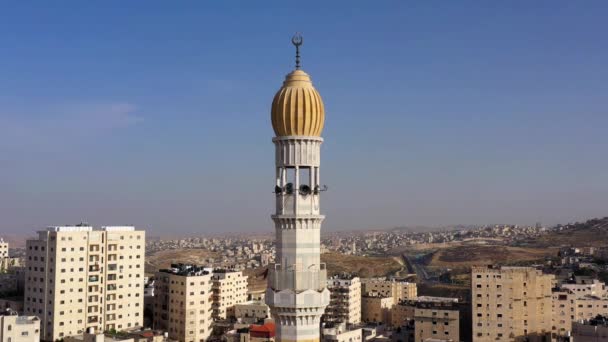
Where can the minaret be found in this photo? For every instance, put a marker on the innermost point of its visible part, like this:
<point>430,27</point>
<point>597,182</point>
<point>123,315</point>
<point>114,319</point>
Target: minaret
<point>296,292</point>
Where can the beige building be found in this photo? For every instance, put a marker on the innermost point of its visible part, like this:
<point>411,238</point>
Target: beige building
<point>436,318</point>
<point>575,302</point>
<point>78,277</point>
<point>3,249</point>
<point>183,302</point>
<point>6,262</point>
<point>398,290</point>
<point>376,309</point>
<point>251,312</point>
<point>429,318</point>
<point>338,332</point>
<point>510,303</point>
<point>229,289</point>
<point>15,328</point>
<point>345,300</point>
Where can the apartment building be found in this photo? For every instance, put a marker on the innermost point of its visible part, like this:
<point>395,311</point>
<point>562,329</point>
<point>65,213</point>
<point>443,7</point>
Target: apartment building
<point>396,289</point>
<point>3,249</point>
<point>345,299</point>
<point>577,301</point>
<point>80,277</point>
<point>511,303</point>
<point>251,312</point>
<point>183,302</point>
<point>15,328</point>
<point>376,309</point>
<point>229,289</point>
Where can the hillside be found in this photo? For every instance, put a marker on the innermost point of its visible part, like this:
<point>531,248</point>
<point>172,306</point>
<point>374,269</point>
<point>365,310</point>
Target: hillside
<point>593,232</point>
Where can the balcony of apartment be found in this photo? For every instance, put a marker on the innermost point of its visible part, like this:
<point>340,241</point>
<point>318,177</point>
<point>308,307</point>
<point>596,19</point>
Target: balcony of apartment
<point>313,278</point>
<point>112,277</point>
<point>111,297</point>
<point>110,307</point>
<point>112,257</point>
<point>94,249</point>
<point>112,248</point>
<point>95,268</point>
<point>110,317</point>
<point>93,299</point>
<point>94,259</point>
<point>93,278</point>
<point>93,319</point>
<point>111,287</point>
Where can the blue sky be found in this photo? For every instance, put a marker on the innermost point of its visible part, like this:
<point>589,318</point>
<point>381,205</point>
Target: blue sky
<point>156,113</point>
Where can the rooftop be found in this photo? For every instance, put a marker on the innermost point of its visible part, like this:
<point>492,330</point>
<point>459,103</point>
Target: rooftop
<point>187,270</point>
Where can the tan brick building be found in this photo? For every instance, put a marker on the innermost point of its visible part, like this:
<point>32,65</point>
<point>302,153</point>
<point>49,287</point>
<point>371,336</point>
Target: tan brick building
<point>229,289</point>
<point>183,302</point>
<point>345,300</point>
<point>78,277</point>
<point>511,303</point>
<point>396,289</point>
<point>376,309</point>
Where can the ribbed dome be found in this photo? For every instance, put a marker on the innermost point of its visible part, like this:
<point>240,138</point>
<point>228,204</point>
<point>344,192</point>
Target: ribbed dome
<point>297,108</point>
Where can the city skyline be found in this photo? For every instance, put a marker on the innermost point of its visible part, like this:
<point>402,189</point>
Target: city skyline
<point>469,113</point>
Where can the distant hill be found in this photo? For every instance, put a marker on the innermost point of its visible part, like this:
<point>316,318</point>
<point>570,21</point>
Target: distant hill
<point>592,233</point>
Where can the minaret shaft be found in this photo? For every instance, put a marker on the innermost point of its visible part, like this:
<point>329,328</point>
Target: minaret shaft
<point>297,294</point>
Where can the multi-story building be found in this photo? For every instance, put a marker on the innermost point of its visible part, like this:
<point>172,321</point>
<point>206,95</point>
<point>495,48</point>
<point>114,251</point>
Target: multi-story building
<point>182,302</point>
<point>251,312</point>
<point>437,319</point>
<point>345,299</point>
<point>339,332</point>
<point>3,249</point>
<point>78,277</point>
<point>396,289</point>
<point>577,302</point>
<point>376,309</point>
<point>229,289</point>
<point>296,293</point>
<point>511,303</point>
<point>15,328</point>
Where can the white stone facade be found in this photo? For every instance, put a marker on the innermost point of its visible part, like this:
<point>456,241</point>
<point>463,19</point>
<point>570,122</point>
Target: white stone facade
<point>297,293</point>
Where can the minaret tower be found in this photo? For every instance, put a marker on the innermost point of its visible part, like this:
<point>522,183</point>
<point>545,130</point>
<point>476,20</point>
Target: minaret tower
<point>296,292</point>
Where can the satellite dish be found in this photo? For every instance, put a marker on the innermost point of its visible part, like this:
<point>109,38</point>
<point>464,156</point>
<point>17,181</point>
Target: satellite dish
<point>277,189</point>
<point>304,190</point>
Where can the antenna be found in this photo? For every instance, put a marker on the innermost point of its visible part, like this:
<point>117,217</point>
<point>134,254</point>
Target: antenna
<point>297,41</point>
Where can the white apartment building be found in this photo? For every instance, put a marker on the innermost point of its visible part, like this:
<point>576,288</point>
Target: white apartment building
<point>229,289</point>
<point>80,277</point>
<point>345,300</point>
<point>183,302</point>
<point>15,328</point>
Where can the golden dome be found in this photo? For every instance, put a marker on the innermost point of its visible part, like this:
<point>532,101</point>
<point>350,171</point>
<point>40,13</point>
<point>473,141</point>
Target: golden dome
<point>297,108</point>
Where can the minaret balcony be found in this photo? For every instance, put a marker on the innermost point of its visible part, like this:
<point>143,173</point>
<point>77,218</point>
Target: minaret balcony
<point>313,278</point>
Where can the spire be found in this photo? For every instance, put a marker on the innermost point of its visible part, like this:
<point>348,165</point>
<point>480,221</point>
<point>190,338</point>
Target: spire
<point>297,40</point>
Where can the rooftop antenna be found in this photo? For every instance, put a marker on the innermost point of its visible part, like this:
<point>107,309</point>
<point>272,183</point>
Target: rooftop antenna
<point>297,40</point>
